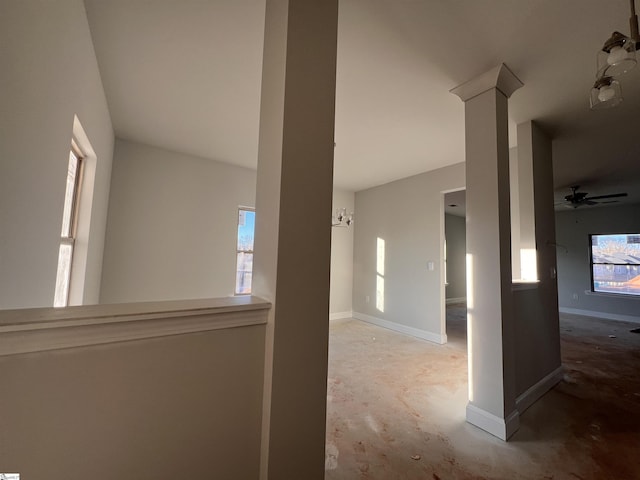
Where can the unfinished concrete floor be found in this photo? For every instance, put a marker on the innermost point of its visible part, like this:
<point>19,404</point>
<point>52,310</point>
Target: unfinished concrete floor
<point>396,408</point>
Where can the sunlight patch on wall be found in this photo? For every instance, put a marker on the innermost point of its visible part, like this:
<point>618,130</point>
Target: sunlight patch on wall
<point>470,303</point>
<point>528,264</point>
<point>470,354</point>
<point>380,244</point>
<point>469,261</point>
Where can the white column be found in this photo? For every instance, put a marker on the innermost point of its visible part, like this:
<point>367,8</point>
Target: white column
<point>293,230</point>
<point>489,300</point>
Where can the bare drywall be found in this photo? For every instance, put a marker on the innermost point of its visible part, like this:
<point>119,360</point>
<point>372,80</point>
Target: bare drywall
<point>407,216</point>
<point>172,226</point>
<point>185,406</point>
<point>455,234</point>
<point>50,74</point>
<point>574,277</point>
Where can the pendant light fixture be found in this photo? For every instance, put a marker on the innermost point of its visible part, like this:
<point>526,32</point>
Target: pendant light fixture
<point>342,218</point>
<point>605,93</point>
<point>617,56</point>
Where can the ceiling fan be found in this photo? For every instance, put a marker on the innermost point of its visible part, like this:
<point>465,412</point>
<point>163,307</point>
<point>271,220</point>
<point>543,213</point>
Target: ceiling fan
<point>577,199</point>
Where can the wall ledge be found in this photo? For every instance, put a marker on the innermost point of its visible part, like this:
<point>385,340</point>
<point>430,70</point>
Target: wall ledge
<point>42,329</point>
<point>517,285</point>
<point>397,327</point>
<point>453,300</point>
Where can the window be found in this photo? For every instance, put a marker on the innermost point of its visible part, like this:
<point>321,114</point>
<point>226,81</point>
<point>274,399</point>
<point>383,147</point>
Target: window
<point>615,263</point>
<point>69,227</point>
<point>244,250</point>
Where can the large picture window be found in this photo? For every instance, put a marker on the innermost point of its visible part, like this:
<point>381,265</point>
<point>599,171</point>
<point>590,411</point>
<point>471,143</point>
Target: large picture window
<point>244,250</point>
<point>615,263</point>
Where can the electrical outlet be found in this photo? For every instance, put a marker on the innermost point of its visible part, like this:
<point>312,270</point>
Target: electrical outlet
<point>367,299</point>
<point>574,296</point>
<point>431,265</point>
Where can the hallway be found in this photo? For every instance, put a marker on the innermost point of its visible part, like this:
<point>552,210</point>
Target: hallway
<point>396,408</point>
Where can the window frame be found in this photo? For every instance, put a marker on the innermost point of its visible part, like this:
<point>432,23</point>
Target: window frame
<point>69,237</point>
<point>243,251</point>
<point>592,263</point>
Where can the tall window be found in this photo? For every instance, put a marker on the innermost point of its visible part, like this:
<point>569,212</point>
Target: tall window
<point>615,263</point>
<point>244,250</point>
<point>69,227</point>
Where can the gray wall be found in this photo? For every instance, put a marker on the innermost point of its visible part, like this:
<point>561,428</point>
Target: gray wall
<point>185,406</point>
<point>407,214</point>
<point>49,75</point>
<point>537,332</point>
<point>172,225</point>
<point>456,235</point>
<point>574,280</point>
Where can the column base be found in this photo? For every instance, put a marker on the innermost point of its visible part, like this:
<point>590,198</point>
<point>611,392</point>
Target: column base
<point>499,427</point>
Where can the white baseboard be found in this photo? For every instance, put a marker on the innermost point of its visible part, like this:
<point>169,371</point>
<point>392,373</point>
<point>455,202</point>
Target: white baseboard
<point>536,391</point>
<point>396,327</point>
<point>449,301</point>
<point>593,313</point>
<point>502,428</point>
<point>339,315</point>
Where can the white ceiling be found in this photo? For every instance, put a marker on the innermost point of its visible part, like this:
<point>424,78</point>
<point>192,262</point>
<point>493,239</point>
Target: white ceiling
<point>185,75</point>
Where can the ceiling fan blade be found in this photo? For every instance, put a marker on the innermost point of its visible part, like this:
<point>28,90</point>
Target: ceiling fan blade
<point>612,195</point>
<point>589,202</point>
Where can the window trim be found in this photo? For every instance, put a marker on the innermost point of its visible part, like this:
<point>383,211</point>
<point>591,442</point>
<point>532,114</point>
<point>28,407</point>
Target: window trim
<point>77,188</point>
<point>239,251</point>
<point>71,237</point>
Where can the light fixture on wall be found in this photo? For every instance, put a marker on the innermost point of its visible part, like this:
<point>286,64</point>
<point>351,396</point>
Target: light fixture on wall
<point>617,56</point>
<point>342,218</point>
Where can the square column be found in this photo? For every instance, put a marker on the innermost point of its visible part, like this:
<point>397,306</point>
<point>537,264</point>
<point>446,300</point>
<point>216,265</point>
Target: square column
<point>490,322</point>
<point>293,212</point>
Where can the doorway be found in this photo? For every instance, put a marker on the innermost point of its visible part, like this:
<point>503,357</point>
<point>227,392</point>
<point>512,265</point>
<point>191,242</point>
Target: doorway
<point>454,255</point>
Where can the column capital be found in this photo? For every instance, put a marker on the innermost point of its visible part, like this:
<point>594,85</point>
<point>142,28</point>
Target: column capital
<point>499,77</point>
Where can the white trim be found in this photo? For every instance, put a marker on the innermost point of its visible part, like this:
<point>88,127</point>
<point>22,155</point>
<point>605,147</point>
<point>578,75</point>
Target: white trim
<point>42,329</point>
<point>496,426</point>
<point>606,315</point>
<point>80,259</point>
<point>396,327</point>
<point>449,301</point>
<point>340,315</point>
<point>536,391</point>
<point>499,77</point>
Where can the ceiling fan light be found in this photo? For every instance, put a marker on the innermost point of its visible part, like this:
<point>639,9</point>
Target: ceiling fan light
<point>606,93</point>
<point>617,56</point>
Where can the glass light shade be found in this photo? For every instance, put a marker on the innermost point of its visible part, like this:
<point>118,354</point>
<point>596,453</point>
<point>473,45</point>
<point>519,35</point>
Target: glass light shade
<point>618,56</point>
<point>605,93</point>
